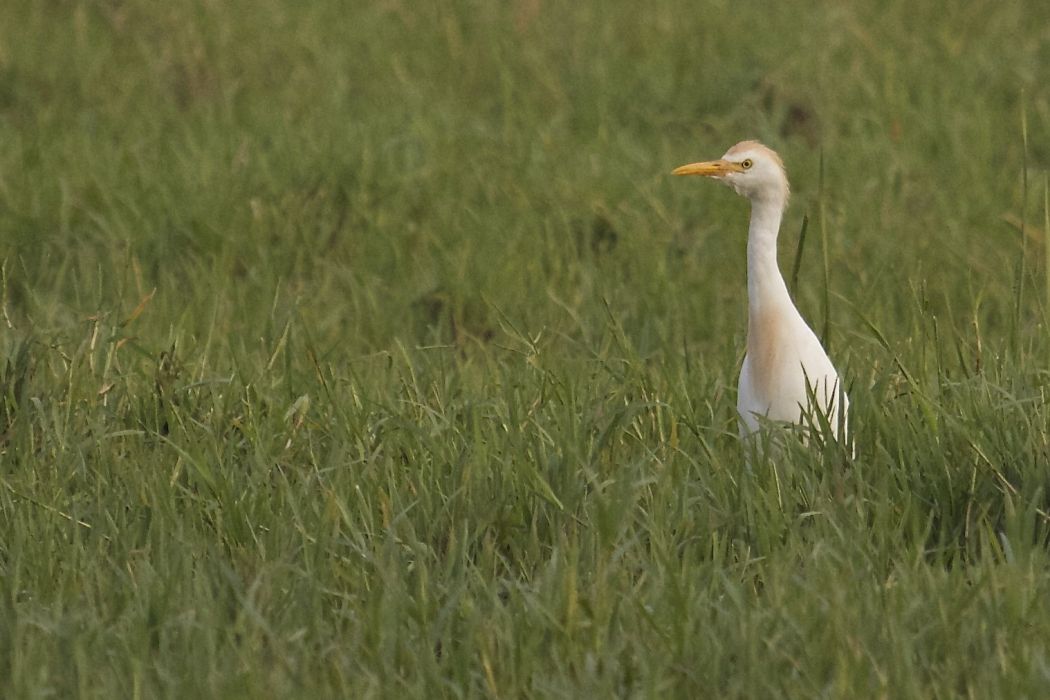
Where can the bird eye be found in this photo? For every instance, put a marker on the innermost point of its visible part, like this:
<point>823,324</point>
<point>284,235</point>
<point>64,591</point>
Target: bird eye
<point>746,164</point>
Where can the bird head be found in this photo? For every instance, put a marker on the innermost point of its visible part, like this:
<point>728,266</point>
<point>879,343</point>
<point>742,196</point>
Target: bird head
<point>751,169</point>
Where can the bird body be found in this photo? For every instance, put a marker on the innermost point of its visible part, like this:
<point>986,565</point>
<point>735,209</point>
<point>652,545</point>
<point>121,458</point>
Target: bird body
<point>786,372</point>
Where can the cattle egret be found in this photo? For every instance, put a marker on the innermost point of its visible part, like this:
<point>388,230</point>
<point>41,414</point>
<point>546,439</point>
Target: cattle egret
<point>786,373</point>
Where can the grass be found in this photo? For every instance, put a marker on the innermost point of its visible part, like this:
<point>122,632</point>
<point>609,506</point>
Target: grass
<point>369,350</point>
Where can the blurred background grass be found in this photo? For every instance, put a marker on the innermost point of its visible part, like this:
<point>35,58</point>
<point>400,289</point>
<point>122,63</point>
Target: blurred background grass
<point>369,348</point>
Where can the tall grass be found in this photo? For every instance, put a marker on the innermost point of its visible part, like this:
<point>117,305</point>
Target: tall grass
<point>368,349</point>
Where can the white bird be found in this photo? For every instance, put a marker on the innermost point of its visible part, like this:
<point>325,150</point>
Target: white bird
<point>786,373</point>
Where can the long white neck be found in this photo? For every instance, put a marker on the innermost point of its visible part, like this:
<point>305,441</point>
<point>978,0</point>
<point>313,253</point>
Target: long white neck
<point>766,289</point>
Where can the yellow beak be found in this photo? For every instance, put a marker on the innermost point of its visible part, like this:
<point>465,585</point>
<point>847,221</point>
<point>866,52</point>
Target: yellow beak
<point>711,168</point>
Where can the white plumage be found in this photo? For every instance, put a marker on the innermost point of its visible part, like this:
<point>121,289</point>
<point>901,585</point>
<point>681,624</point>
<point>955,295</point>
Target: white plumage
<point>785,365</point>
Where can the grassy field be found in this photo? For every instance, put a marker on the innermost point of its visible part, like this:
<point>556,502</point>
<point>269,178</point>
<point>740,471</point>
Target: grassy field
<point>369,349</point>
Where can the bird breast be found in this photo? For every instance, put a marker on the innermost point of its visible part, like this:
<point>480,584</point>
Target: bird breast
<point>782,353</point>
